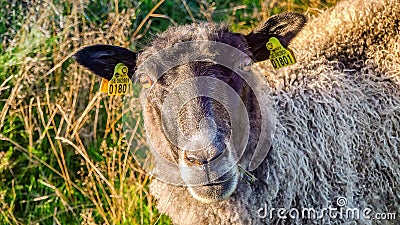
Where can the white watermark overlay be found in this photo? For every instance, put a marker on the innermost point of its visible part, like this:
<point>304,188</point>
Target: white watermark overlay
<point>177,96</point>
<point>340,211</point>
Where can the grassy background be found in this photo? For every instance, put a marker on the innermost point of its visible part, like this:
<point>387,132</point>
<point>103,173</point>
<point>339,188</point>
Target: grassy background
<point>63,155</point>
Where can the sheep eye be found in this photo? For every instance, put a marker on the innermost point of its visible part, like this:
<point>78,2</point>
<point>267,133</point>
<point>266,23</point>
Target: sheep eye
<point>145,81</point>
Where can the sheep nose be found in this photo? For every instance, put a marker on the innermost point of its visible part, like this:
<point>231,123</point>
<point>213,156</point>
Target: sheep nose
<point>203,151</point>
<point>201,157</point>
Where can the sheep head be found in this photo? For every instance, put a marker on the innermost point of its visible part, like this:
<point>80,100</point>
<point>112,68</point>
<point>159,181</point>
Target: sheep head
<point>200,106</point>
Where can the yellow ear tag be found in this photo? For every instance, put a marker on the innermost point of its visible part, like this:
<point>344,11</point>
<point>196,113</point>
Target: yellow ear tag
<point>120,83</point>
<point>104,85</point>
<point>279,55</point>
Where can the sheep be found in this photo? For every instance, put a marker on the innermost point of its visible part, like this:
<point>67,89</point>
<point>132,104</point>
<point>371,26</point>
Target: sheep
<point>332,125</point>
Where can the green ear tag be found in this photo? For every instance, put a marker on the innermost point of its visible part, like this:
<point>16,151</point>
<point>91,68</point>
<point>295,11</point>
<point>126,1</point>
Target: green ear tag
<point>279,55</point>
<point>120,83</point>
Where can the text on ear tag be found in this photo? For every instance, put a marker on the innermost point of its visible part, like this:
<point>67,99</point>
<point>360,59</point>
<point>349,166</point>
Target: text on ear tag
<point>120,83</point>
<point>279,55</point>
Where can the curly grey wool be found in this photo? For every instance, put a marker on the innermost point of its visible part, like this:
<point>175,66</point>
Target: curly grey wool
<point>337,127</point>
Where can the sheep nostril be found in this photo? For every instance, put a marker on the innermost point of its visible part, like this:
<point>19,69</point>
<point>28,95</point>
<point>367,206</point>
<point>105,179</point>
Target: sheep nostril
<point>191,159</point>
<point>201,157</point>
<point>194,159</point>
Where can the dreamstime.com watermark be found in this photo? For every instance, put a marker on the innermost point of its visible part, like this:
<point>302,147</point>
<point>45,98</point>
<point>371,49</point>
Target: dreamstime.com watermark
<point>338,212</point>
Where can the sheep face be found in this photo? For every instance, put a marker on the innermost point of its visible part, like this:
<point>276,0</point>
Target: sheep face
<point>200,107</point>
<point>190,120</point>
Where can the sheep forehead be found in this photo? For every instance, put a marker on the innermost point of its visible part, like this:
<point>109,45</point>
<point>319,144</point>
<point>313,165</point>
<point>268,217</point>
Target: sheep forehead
<point>192,32</point>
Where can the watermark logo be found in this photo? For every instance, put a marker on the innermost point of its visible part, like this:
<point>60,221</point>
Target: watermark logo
<point>340,211</point>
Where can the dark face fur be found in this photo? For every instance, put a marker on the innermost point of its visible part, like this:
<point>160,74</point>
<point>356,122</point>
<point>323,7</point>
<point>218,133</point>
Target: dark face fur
<point>188,128</point>
<point>206,158</point>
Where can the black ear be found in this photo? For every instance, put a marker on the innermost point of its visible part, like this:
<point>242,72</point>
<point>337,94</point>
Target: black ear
<point>284,26</point>
<point>102,59</point>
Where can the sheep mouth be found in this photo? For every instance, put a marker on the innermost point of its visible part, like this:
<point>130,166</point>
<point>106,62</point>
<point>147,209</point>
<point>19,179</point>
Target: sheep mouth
<point>216,191</point>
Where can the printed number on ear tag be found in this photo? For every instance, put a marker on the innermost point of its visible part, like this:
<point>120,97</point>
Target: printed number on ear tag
<point>120,83</point>
<point>279,55</point>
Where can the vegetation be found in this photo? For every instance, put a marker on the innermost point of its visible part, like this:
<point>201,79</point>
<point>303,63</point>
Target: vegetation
<point>63,156</point>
